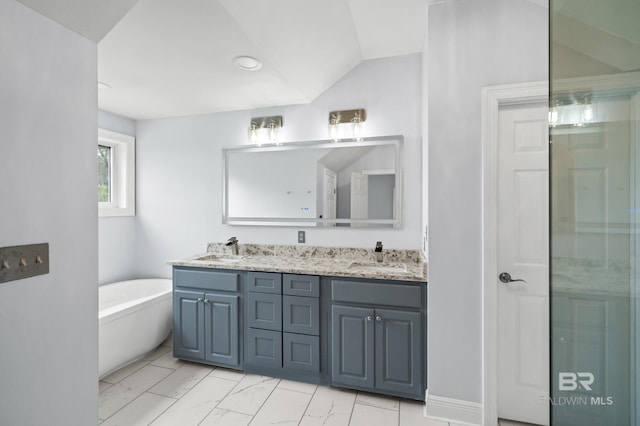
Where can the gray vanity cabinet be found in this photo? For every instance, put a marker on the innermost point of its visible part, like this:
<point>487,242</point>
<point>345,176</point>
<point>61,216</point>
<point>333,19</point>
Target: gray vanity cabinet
<point>398,351</point>
<point>206,316</point>
<point>283,322</point>
<point>301,323</point>
<point>377,336</point>
<point>188,324</point>
<point>366,334</point>
<point>264,320</point>
<point>352,346</point>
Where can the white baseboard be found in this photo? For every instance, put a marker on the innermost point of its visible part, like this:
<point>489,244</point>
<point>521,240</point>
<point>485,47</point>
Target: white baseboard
<point>453,410</point>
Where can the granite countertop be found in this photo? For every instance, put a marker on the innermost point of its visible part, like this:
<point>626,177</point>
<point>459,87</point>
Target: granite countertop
<point>400,265</point>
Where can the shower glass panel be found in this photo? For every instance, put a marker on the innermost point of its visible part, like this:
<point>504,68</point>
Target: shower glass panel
<point>595,211</point>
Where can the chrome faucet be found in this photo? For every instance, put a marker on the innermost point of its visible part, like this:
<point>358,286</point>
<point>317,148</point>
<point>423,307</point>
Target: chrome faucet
<point>233,242</point>
<point>378,251</point>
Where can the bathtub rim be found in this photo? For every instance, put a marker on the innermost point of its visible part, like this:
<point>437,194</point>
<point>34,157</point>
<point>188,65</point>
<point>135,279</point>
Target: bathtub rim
<point>122,309</point>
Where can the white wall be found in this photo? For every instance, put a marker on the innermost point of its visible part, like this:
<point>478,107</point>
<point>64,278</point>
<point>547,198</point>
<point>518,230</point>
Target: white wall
<point>470,45</point>
<point>116,235</point>
<point>48,324</point>
<point>179,179</point>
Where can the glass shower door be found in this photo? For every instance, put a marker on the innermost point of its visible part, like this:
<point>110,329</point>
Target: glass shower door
<point>595,211</point>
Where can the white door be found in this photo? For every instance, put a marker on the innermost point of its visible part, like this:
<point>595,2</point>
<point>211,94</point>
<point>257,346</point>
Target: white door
<point>359,196</point>
<point>330,190</point>
<point>523,252</point>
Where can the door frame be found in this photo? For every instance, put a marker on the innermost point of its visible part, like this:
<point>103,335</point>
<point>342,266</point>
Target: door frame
<point>493,98</point>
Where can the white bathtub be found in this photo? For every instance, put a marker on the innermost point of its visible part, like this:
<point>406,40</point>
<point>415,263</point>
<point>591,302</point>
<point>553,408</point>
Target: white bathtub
<point>134,318</point>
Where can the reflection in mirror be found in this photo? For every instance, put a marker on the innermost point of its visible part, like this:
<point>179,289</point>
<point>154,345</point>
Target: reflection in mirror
<point>314,184</point>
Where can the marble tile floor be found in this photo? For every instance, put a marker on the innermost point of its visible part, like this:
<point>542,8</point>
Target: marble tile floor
<point>161,390</point>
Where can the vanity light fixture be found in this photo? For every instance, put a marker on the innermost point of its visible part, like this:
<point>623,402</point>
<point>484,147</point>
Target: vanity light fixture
<point>265,130</point>
<point>353,117</point>
<point>578,111</point>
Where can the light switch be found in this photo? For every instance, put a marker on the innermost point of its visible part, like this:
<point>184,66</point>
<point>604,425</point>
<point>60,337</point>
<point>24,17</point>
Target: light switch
<point>19,262</point>
<point>301,237</point>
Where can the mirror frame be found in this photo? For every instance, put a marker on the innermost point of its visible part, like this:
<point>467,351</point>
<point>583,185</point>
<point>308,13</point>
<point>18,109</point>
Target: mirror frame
<point>395,140</point>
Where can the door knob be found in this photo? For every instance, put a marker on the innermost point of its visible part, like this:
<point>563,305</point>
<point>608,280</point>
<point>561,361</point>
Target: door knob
<point>505,277</point>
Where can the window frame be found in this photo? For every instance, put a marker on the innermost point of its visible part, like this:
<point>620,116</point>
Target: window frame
<point>112,178</point>
<point>123,183</point>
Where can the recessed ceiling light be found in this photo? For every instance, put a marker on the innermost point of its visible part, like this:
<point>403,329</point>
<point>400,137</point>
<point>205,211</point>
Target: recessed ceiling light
<point>248,63</point>
<point>103,85</point>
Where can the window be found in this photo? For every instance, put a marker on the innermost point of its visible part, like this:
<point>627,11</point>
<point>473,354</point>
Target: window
<point>116,174</point>
<point>105,160</point>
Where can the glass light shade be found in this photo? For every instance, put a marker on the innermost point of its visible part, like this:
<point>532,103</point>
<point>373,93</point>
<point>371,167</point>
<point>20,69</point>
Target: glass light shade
<point>333,130</point>
<point>357,130</point>
<point>253,135</point>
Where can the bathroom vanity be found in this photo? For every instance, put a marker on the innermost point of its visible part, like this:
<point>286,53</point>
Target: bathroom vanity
<point>331,316</point>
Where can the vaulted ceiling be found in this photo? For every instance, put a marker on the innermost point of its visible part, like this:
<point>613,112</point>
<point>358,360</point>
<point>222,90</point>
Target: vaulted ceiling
<point>174,57</point>
<point>164,58</point>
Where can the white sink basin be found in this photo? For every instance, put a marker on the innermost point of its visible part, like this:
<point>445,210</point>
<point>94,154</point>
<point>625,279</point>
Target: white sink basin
<point>221,259</point>
<point>394,268</point>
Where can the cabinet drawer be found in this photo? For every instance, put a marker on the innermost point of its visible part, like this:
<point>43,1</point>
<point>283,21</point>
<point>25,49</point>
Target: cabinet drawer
<point>362,292</point>
<point>301,285</point>
<point>301,315</point>
<point>264,348</point>
<point>301,352</point>
<point>264,282</point>
<point>206,280</point>
<point>264,311</point>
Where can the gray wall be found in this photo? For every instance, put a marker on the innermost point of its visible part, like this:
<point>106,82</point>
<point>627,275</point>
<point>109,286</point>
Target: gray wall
<point>471,45</point>
<point>48,324</point>
<point>179,177</point>
<point>116,235</point>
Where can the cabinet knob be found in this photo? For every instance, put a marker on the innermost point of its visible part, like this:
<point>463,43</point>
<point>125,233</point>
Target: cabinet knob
<point>378,318</point>
<point>200,299</point>
<point>206,300</point>
<point>369,318</point>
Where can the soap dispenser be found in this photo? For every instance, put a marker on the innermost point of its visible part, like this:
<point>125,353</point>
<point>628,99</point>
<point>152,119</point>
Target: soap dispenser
<point>378,251</point>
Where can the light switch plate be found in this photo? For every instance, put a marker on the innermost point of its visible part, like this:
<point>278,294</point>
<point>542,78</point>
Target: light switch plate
<point>19,262</point>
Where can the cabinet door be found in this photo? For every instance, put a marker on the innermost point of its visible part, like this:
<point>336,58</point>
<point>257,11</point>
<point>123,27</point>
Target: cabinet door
<point>398,351</point>
<point>264,282</point>
<point>301,352</point>
<point>352,346</point>
<point>301,285</point>
<point>221,328</point>
<point>301,315</point>
<point>264,311</point>
<point>264,348</point>
<point>188,315</point>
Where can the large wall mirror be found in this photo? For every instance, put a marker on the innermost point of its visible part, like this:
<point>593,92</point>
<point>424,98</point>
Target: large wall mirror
<point>319,183</point>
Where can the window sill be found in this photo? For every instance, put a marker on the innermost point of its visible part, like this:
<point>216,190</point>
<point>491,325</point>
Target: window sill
<point>104,211</point>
